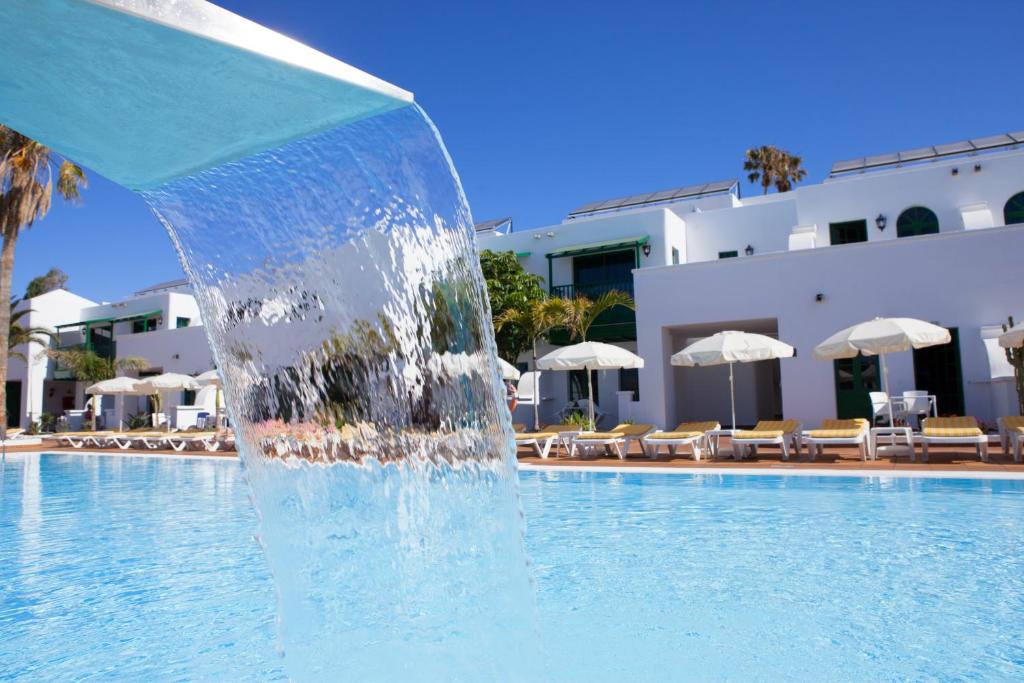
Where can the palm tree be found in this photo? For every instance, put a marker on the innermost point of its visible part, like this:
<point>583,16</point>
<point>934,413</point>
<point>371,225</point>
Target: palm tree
<point>535,321</point>
<point>27,171</point>
<point>19,335</point>
<point>580,313</point>
<point>773,166</point>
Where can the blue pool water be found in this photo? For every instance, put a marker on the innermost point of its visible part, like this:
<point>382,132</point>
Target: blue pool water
<point>117,568</point>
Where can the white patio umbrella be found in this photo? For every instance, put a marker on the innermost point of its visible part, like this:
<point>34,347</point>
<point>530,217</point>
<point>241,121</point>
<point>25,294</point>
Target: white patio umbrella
<point>1013,337</point>
<point>590,356</point>
<point>165,383</point>
<point>508,371</point>
<point>211,378</point>
<point>881,336</point>
<point>119,387</point>
<point>731,346</point>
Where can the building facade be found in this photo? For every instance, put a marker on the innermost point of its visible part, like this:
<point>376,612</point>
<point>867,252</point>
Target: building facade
<point>933,233</point>
<point>160,324</point>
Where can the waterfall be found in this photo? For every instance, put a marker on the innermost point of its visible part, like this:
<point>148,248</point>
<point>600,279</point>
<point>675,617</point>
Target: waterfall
<point>340,288</point>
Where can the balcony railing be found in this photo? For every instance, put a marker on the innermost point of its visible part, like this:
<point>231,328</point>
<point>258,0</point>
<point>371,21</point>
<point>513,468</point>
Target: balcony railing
<point>592,291</point>
<point>615,324</point>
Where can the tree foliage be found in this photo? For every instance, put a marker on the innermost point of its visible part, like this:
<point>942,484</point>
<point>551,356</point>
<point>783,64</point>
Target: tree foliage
<point>1015,357</point>
<point>770,166</point>
<point>19,334</point>
<point>28,175</point>
<point>579,314</point>
<point>55,278</point>
<point>510,288</point>
<point>88,366</point>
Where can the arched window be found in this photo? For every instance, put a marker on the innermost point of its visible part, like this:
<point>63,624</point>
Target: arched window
<point>1013,212</point>
<point>917,220</point>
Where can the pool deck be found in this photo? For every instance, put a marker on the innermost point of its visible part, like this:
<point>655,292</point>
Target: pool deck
<point>943,461</point>
<point>840,459</point>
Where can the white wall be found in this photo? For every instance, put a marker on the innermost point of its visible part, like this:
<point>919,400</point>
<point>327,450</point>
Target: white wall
<point>968,280</point>
<point>665,229</point>
<point>183,350</point>
<point>46,311</point>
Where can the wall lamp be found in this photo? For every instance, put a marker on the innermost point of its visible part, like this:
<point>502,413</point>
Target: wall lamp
<point>819,297</point>
<point>646,249</point>
<point>749,251</point>
<point>880,221</point>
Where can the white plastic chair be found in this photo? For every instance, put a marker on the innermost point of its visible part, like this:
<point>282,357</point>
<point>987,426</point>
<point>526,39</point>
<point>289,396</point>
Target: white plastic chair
<point>528,383</point>
<point>916,405</point>
<point>880,407</point>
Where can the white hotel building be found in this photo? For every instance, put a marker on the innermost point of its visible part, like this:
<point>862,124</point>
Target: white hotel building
<point>935,233</point>
<point>160,324</point>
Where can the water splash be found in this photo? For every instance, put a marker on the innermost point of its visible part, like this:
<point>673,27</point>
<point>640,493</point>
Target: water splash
<point>341,292</point>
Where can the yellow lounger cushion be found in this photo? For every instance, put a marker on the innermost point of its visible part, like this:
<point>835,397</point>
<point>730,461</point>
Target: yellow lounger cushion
<point>758,434</point>
<point>531,436</point>
<point>840,429</point>
<point>767,429</point>
<point>518,427</point>
<point>563,428</point>
<point>950,427</point>
<point>675,435</point>
<point>80,434</point>
<point>697,426</point>
<point>627,429</point>
<point>835,433</point>
<point>1014,423</point>
<point>600,435</point>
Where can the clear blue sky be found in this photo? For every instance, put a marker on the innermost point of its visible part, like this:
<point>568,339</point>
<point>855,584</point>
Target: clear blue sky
<point>548,105</point>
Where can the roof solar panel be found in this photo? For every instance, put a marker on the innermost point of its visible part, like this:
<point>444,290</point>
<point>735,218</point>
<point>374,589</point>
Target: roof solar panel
<point>923,153</point>
<point>721,186</point>
<point>917,154</point>
<point>992,141</point>
<point>881,160</point>
<point>847,166</point>
<point>955,148</point>
<point>654,197</point>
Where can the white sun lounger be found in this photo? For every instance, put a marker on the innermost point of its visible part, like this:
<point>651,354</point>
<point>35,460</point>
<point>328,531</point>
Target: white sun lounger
<point>692,434</point>
<point>782,433</point>
<point>81,439</point>
<point>618,439</point>
<point>855,432</point>
<point>953,431</point>
<point>1011,435</point>
<point>539,442</point>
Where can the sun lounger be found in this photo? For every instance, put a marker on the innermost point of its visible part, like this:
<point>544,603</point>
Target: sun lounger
<point>855,432</point>
<point>80,439</point>
<point>565,432</point>
<point>1011,435</point>
<point>181,441</point>
<point>138,439</point>
<point>953,431</point>
<point>540,442</point>
<point>782,433</point>
<point>620,438</point>
<point>692,434</point>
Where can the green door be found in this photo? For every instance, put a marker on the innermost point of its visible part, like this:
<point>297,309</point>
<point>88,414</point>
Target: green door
<point>937,370</point>
<point>13,403</point>
<point>854,378</point>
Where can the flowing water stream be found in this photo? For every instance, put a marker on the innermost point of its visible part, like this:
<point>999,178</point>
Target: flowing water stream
<point>340,288</point>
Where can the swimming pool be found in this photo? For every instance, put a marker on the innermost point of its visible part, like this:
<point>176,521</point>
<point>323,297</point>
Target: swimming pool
<point>127,568</point>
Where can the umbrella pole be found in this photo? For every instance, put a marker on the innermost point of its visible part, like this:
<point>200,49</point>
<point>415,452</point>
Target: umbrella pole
<point>885,383</point>
<point>732,397</point>
<point>94,411</point>
<point>590,395</point>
